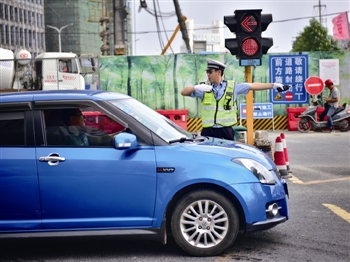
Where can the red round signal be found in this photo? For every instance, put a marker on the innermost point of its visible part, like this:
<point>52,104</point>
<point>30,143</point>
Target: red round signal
<point>250,46</point>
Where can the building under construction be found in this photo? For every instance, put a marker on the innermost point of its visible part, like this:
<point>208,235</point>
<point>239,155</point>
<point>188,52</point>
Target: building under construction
<point>22,25</point>
<point>89,26</point>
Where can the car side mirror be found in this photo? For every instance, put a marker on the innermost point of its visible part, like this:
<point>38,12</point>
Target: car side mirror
<point>125,141</point>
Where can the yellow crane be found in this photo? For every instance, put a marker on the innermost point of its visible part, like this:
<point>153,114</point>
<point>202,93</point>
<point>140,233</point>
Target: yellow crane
<point>173,36</point>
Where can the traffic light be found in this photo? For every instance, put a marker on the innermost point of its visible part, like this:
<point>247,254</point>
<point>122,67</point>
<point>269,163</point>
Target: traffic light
<point>248,44</point>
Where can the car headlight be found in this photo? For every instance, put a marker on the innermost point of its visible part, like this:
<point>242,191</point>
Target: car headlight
<point>261,172</point>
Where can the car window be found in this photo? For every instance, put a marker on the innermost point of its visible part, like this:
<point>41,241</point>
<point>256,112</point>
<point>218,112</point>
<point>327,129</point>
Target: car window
<point>157,123</point>
<point>68,66</point>
<point>80,127</point>
<point>12,129</point>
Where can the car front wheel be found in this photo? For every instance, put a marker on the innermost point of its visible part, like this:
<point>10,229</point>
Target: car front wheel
<point>204,223</point>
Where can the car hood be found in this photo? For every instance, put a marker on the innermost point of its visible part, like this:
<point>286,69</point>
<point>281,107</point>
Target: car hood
<point>234,150</point>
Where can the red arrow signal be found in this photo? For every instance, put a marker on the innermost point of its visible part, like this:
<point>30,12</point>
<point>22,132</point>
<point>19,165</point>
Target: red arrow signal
<point>249,23</point>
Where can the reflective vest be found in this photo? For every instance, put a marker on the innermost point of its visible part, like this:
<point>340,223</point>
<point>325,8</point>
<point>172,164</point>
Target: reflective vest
<point>222,112</point>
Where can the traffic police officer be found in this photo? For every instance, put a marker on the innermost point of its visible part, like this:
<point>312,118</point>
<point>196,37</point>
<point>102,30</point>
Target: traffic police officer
<point>218,96</point>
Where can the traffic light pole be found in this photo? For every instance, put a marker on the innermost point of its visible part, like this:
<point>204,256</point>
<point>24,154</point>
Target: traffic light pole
<point>249,106</point>
<point>249,47</point>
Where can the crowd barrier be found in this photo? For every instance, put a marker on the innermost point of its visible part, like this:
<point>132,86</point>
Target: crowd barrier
<point>179,117</point>
<point>102,122</point>
<point>293,116</point>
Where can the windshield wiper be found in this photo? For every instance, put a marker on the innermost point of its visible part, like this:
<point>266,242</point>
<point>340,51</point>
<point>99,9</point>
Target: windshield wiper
<point>198,137</point>
<point>201,138</point>
<point>181,140</point>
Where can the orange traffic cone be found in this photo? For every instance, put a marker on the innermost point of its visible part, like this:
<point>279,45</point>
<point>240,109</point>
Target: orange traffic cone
<point>285,151</point>
<point>279,157</point>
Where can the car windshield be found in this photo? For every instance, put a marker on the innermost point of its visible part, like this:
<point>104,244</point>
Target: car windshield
<point>156,122</point>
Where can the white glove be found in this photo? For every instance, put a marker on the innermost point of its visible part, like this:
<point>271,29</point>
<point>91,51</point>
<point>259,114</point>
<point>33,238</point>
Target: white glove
<point>280,87</point>
<point>203,87</point>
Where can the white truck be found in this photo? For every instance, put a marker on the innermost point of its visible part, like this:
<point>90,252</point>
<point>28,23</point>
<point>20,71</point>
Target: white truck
<point>47,71</point>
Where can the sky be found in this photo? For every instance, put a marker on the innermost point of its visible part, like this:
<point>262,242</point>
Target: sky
<point>203,12</point>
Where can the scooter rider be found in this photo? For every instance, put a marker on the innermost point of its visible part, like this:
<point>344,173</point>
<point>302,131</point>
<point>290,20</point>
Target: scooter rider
<point>332,103</point>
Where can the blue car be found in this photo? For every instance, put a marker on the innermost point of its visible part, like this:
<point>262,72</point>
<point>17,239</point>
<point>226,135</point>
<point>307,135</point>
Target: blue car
<point>88,163</point>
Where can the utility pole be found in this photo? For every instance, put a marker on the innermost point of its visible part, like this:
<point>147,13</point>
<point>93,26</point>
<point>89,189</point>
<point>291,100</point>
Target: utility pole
<point>319,8</point>
<point>182,26</point>
<point>119,27</point>
<point>105,32</point>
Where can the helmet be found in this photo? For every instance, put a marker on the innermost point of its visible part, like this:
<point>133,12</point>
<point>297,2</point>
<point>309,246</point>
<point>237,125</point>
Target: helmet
<point>328,82</point>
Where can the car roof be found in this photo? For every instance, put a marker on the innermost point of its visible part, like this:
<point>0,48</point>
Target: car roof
<point>60,95</point>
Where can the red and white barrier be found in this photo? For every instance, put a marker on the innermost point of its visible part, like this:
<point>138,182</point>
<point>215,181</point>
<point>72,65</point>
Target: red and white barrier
<point>285,151</point>
<point>279,157</point>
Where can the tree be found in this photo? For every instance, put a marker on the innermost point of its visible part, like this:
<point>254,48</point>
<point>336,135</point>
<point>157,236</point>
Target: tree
<point>160,67</point>
<point>138,68</point>
<point>314,38</point>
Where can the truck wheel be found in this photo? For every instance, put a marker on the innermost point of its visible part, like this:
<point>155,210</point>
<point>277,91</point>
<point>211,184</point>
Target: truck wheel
<point>344,125</point>
<point>304,125</point>
<point>204,223</point>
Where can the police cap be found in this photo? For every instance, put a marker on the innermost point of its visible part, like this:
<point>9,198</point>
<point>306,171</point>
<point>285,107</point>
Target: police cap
<point>212,64</point>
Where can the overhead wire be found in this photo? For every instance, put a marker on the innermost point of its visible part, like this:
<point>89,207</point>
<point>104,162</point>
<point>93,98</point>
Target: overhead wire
<point>306,17</point>
<point>166,35</point>
<point>164,15</point>
<point>154,12</point>
<point>159,16</point>
<point>219,27</point>
<point>197,29</point>
<point>157,25</point>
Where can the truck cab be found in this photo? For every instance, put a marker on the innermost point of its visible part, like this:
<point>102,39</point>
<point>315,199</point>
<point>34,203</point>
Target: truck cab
<point>6,68</point>
<point>58,71</point>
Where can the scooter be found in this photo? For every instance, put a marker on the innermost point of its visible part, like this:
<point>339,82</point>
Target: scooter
<point>308,120</point>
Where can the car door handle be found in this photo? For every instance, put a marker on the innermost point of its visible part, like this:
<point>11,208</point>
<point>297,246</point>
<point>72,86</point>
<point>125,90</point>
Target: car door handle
<point>53,159</point>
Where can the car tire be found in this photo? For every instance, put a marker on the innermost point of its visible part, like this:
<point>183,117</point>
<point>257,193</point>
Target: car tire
<point>204,223</point>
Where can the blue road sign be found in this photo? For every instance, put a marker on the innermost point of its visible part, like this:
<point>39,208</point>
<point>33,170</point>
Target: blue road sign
<point>260,110</point>
<point>291,70</point>
<point>250,62</point>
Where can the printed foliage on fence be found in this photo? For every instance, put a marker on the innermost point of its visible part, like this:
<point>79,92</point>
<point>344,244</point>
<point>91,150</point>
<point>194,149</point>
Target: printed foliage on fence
<point>157,81</point>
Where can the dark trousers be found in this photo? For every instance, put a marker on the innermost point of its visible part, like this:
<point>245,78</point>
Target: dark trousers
<point>222,132</point>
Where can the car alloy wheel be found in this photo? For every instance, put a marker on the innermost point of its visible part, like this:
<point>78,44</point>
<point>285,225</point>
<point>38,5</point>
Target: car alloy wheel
<point>204,223</point>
